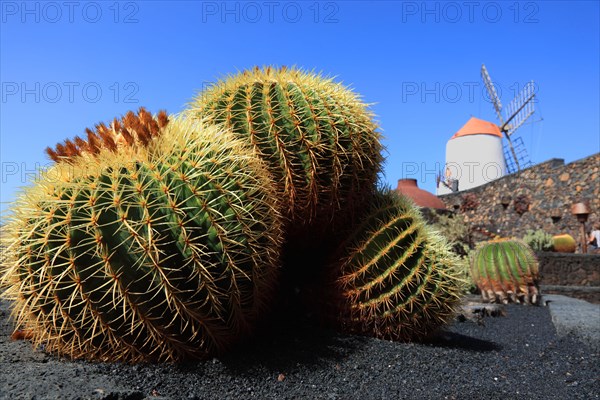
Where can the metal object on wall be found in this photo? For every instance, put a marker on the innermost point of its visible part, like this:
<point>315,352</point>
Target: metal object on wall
<point>581,211</point>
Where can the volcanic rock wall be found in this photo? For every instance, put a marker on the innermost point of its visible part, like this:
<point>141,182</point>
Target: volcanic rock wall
<point>575,275</point>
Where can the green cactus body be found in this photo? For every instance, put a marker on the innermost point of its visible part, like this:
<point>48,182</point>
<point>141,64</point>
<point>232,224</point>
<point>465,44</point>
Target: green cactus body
<point>157,253</point>
<point>316,136</point>
<point>506,270</point>
<point>397,279</point>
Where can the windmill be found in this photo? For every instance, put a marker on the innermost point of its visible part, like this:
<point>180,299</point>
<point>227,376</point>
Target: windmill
<point>515,114</point>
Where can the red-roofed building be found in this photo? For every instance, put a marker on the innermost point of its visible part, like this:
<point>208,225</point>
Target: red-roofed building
<point>422,198</point>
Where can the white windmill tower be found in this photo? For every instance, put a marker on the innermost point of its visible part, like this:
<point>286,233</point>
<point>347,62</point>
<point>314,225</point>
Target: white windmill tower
<point>476,154</point>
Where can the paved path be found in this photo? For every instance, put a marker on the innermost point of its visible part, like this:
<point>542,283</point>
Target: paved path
<point>576,317</point>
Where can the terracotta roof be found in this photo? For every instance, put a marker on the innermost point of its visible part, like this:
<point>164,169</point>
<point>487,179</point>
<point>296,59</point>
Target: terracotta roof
<point>476,126</point>
<point>422,198</point>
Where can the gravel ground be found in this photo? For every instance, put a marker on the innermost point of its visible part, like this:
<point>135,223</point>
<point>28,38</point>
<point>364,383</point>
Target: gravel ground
<point>516,356</point>
<point>575,317</point>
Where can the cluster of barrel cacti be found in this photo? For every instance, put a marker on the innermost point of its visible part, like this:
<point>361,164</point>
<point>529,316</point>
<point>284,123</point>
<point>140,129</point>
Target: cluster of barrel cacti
<point>506,270</point>
<point>162,238</point>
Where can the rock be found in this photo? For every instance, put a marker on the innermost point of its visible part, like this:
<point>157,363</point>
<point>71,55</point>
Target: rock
<point>475,311</point>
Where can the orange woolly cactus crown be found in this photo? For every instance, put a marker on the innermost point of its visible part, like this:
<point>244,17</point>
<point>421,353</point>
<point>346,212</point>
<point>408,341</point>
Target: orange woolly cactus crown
<point>131,130</point>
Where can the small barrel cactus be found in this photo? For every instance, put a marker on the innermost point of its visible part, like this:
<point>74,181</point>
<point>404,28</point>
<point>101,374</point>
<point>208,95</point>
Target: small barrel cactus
<point>317,137</point>
<point>397,279</point>
<point>564,243</point>
<point>506,270</point>
<point>162,248</point>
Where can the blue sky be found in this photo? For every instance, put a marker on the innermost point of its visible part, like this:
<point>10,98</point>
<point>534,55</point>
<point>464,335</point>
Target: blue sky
<point>65,66</point>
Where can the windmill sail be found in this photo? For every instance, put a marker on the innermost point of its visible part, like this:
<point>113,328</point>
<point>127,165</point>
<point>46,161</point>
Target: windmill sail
<point>520,108</point>
<point>491,89</point>
<point>515,114</point>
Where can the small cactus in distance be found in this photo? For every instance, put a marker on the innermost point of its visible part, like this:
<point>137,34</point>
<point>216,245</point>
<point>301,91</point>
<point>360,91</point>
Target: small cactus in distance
<point>163,251</point>
<point>539,240</point>
<point>397,278</point>
<point>506,270</point>
<point>564,243</point>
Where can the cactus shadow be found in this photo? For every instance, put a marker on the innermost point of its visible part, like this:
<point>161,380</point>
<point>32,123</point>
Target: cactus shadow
<point>296,332</point>
<point>453,340</point>
<point>285,344</point>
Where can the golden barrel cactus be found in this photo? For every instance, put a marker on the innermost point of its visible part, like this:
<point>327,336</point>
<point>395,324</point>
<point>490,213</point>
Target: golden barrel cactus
<point>150,241</point>
<point>316,136</point>
<point>506,270</point>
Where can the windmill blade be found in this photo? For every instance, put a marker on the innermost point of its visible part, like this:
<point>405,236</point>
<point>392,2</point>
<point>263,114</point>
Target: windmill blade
<point>520,109</point>
<point>491,89</point>
<point>519,120</point>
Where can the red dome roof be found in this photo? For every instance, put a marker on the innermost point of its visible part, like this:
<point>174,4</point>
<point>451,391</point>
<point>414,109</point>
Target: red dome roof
<point>476,126</point>
<point>422,198</point>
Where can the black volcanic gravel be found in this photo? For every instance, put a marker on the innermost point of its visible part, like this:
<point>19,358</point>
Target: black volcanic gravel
<point>517,356</point>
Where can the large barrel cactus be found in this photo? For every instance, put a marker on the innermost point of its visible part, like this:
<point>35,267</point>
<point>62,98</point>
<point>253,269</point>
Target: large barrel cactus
<point>161,248</point>
<point>317,137</point>
<point>506,270</point>
<point>397,279</point>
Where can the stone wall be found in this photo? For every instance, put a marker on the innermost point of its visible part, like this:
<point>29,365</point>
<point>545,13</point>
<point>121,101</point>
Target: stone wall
<point>575,275</point>
<point>569,269</point>
<point>539,197</point>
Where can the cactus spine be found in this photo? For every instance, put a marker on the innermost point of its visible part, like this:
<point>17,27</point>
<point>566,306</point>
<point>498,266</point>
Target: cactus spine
<point>131,131</point>
<point>316,136</point>
<point>160,252</point>
<point>506,270</point>
<point>397,280</point>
